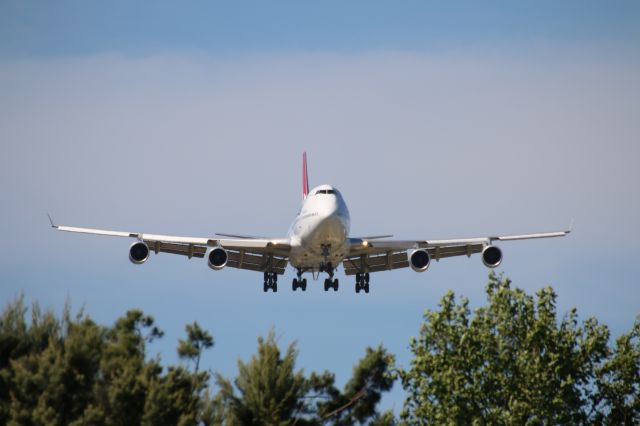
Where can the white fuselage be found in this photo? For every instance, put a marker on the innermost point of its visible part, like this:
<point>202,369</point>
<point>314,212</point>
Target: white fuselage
<point>320,233</point>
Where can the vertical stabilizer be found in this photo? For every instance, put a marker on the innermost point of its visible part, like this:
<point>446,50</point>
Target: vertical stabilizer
<point>305,176</point>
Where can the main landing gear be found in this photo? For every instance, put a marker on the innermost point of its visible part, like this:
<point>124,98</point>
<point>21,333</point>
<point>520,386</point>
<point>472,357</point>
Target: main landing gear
<point>299,282</point>
<point>270,281</point>
<point>330,282</point>
<point>362,282</point>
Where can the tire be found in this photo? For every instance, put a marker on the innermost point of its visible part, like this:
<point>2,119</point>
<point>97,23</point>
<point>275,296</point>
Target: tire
<point>304,284</point>
<point>335,285</point>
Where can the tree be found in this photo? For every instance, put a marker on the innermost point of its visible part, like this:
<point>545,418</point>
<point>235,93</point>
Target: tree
<point>515,362</point>
<point>124,372</point>
<point>175,398</point>
<point>197,340</point>
<point>617,401</point>
<point>271,392</point>
<point>357,403</point>
<point>71,371</point>
<point>51,368</point>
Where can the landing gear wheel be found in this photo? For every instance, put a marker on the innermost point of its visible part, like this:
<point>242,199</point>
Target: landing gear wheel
<point>299,283</point>
<point>362,282</point>
<point>270,282</point>
<point>329,283</point>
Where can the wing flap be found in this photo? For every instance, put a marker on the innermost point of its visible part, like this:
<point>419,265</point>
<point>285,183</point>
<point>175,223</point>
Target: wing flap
<point>188,250</point>
<point>239,259</point>
<point>441,252</point>
<point>375,262</point>
<point>244,259</point>
<point>376,259</point>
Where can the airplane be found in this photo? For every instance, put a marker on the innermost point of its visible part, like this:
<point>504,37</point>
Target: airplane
<point>318,241</point>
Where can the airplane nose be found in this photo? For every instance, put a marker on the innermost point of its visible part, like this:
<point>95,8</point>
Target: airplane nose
<point>330,208</point>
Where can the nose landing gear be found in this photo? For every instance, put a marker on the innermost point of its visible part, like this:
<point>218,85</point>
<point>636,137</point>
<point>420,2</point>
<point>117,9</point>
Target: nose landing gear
<point>362,282</point>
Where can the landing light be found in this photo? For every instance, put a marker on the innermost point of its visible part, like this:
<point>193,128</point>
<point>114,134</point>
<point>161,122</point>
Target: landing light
<point>365,243</point>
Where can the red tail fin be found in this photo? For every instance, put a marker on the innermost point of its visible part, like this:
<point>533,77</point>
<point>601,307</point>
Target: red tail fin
<point>305,176</point>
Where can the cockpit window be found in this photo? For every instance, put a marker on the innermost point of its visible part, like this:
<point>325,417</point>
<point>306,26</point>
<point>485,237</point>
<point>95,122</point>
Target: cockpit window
<point>325,191</point>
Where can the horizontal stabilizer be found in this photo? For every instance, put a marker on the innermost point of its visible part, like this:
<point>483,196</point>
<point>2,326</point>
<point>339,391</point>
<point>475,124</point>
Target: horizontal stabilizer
<point>374,237</point>
<point>241,237</point>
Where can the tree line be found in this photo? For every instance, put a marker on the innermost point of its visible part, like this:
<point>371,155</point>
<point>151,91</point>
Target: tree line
<point>512,361</point>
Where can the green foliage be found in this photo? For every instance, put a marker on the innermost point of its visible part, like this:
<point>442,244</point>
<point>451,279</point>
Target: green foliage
<point>269,387</point>
<point>271,392</point>
<point>515,362</point>
<point>71,371</point>
<point>356,404</point>
<point>618,381</point>
<point>197,340</point>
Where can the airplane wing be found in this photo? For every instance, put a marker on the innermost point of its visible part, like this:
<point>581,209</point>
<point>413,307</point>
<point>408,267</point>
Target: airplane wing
<point>256,254</point>
<point>384,255</point>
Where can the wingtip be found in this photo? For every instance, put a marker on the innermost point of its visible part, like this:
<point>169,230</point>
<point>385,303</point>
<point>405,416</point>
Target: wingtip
<point>53,225</point>
<point>570,227</point>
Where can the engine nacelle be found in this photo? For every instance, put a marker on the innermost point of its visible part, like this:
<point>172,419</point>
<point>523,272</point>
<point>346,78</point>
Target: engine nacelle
<point>491,256</point>
<point>419,260</point>
<point>138,253</point>
<point>217,258</point>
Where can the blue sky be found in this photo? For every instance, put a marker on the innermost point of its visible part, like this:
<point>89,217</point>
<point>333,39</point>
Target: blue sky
<point>434,119</point>
<point>80,27</point>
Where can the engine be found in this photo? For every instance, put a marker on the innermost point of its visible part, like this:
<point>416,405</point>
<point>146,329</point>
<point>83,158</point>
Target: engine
<point>491,256</point>
<point>138,253</point>
<point>419,260</point>
<point>217,258</point>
